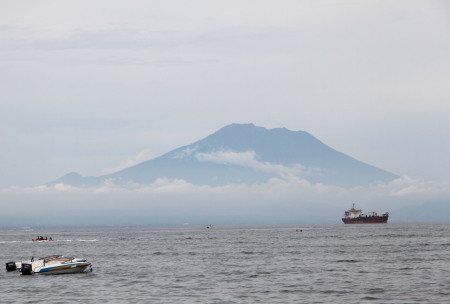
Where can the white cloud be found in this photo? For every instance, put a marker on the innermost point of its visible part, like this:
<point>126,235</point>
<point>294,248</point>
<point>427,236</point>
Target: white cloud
<point>249,159</point>
<point>177,201</point>
<point>401,187</point>
<point>183,153</point>
<point>141,157</point>
<point>407,186</point>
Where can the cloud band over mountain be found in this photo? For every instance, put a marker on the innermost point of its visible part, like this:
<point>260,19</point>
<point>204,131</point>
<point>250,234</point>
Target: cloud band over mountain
<point>175,202</point>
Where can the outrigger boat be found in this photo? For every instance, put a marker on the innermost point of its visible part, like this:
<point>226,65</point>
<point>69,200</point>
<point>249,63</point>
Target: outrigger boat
<point>54,264</point>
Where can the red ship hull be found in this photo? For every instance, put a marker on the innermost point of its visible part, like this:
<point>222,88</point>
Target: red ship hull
<point>366,220</point>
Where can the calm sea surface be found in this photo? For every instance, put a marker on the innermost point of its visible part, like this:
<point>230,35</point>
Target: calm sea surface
<point>387,263</point>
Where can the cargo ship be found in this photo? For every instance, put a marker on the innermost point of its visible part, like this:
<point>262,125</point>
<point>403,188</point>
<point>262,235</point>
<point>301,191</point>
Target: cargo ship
<point>355,216</point>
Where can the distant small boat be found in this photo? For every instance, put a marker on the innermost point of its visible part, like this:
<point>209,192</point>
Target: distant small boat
<point>355,216</point>
<point>42,239</point>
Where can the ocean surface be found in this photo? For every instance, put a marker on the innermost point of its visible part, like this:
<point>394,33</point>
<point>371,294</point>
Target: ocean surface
<point>385,263</point>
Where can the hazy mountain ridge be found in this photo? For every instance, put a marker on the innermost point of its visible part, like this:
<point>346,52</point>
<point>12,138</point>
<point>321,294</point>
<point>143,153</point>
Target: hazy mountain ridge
<point>244,153</point>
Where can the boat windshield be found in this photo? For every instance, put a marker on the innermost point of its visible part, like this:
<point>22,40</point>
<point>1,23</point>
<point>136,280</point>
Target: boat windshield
<point>51,257</point>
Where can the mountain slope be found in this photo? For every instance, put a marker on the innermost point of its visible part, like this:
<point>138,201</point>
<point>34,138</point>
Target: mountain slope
<point>244,153</point>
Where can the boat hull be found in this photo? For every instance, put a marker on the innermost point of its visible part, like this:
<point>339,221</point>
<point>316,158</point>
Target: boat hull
<point>366,220</point>
<point>63,269</point>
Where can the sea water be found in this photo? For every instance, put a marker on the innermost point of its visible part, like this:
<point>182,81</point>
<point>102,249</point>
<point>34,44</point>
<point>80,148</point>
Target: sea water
<point>384,263</point>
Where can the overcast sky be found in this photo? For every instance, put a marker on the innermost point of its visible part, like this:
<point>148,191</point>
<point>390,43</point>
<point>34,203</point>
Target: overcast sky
<point>91,86</point>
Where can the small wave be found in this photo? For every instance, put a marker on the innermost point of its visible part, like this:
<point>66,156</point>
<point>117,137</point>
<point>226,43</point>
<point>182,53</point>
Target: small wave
<point>347,261</point>
<point>94,240</point>
<point>376,290</point>
<point>15,241</point>
<point>370,298</point>
<point>335,292</point>
<point>291,291</point>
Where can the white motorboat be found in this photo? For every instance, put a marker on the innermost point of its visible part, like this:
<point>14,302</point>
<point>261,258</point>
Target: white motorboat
<point>54,264</point>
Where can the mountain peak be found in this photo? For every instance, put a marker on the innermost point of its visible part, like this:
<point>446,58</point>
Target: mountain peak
<point>245,153</point>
